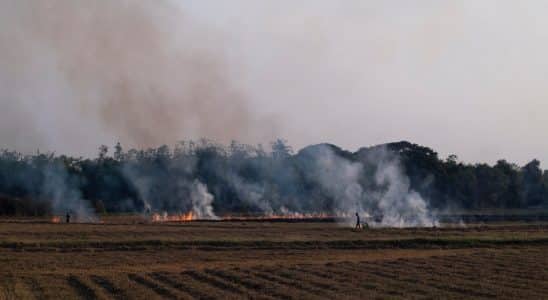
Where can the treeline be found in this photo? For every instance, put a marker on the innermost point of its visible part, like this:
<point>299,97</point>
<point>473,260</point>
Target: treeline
<point>248,179</point>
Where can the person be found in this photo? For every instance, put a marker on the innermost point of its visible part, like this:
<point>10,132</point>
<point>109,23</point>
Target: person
<point>68,218</point>
<point>358,223</point>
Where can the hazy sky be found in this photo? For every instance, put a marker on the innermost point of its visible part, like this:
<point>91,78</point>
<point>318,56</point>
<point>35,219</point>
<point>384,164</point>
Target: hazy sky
<point>464,77</point>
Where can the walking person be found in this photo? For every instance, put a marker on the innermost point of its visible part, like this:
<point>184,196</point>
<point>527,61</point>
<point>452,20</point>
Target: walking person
<point>358,222</point>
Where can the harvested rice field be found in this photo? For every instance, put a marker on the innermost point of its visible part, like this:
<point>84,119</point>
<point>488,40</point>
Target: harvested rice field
<point>125,258</point>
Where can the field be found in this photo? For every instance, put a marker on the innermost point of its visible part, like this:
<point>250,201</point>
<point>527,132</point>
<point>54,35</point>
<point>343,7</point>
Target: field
<point>127,257</point>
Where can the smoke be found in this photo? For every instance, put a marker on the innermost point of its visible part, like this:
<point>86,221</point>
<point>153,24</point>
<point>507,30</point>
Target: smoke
<point>158,193</point>
<point>64,196</point>
<point>74,74</point>
<point>77,73</point>
<point>337,177</point>
<point>388,201</point>
<point>252,194</point>
<point>191,197</point>
<point>202,181</point>
<point>202,201</point>
<point>399,205</point>
<point>373,184</point>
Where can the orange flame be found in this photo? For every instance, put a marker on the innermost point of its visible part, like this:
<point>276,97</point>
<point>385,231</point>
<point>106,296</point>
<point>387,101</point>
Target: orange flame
<point>187,217</point>
<point>75,220</point>
<point>190,216</point>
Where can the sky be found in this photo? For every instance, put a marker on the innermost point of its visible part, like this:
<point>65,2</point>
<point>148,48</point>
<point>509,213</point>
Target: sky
<point>464,77</point>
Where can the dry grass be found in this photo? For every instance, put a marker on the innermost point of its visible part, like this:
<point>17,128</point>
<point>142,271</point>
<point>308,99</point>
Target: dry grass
<point>128,259</point>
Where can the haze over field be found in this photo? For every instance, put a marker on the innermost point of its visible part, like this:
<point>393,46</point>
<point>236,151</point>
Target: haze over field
<point>463,77</point>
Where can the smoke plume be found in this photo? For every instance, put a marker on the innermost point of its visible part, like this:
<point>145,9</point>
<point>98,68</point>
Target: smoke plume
<point>64,196</point>
<point>399,205</point>
<point>202,201</point>
<point>76,73</point>
<point>385,199</point>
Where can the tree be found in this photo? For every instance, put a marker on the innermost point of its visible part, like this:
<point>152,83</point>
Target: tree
<point>452,159</point>
<point>533,183</point>
<point>236,173</point>
<point>118,152</point>
<point>103,151</point>
<point>280,149</point>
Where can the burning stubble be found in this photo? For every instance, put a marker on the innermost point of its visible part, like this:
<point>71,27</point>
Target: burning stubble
<point>385,199</point>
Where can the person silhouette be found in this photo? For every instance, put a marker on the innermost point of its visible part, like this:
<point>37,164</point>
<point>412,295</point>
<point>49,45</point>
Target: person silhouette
<point>358,222</point>
<point>68,218</point>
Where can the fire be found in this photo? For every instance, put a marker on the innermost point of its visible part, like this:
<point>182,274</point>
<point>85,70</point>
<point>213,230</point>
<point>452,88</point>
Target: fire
<point>190,216</point>
<point>187,217</point>
<point>77,220</point>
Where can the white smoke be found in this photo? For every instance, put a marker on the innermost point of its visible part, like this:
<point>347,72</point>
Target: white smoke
<point>252,194</point>
<point>189,196</point>
<point>371,183</point>
<point>399,204</point>
<point>390,202</point>
<point>339,178</point>
<point>65,198</point>
<point>202,201</point>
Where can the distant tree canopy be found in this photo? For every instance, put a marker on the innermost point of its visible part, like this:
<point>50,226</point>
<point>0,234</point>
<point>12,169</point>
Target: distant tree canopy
<point>115,183</point>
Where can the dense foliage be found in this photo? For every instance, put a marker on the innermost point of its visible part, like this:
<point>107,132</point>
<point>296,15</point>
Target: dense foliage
<point>126,181</point>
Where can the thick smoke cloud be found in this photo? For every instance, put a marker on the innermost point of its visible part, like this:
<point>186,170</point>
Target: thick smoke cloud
<point>386,199</point>
<point>202,201</point>
<point>339,183</point>
<point>400,205</point>
<point>75,74</point>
